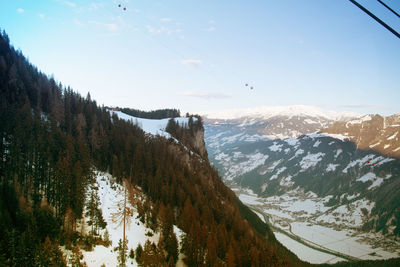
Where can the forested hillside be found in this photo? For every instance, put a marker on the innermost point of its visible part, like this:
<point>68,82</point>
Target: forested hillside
<point>52,141</point>
<point>154,114</point>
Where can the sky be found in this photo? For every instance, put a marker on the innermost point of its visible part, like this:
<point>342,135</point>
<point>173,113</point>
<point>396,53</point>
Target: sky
<point>198,55</point>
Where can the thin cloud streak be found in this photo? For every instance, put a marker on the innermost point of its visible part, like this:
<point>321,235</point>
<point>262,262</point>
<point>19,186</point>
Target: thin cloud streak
<point>192,63</point>
<point>205,95</point>
<point>165,20</point>
<point>356,106</point>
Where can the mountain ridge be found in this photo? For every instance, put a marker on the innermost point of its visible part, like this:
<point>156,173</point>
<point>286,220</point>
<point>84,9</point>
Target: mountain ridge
<point>266,112</point>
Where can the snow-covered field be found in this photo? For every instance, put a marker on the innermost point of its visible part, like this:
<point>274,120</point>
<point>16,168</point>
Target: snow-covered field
<point>305,253</point>
<point>340,241</point>
<point>306,216</point>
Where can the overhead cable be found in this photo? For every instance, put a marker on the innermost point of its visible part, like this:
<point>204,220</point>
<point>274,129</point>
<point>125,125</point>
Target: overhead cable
<point>376,18</point>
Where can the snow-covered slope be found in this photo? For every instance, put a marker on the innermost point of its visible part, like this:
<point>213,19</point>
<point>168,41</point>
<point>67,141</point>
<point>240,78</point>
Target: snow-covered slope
<point>112,193</point>
<point>154,127</point>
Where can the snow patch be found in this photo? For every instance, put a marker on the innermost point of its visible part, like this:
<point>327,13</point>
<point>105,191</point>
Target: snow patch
<point>374,145</point>
<point>376,183</point>
<point>292,141</point>
<point>311,160</point>
<point>299,152</point>
<point>338,153</point>
<point>331,167</point>
<point>360,120</point>
<point>277,173</point>
<point>317,143</point>
<point>320,135</point>
<point>274,164</point>
<point>287,181</point>
<point>310,121</point>
<point>367,177</point>
<point>393,136</point>
<point>276,147</point>
<point>361,162</point>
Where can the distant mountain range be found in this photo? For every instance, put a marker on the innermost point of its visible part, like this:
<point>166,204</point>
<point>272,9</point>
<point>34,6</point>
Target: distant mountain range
<point>351,162</point>
<point>279,122</point>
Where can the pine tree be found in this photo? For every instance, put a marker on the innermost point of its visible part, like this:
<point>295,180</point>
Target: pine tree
<point>50,255</point>
<point>122,252</point>
<point>230,257</point>
<point>76,258</point>
<point>138,253</point>
<point>124,217</point>
<point>106,238</point>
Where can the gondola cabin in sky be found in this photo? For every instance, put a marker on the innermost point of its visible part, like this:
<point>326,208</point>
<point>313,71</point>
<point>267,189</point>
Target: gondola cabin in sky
<point>119,5</point>
<point>251,87</point>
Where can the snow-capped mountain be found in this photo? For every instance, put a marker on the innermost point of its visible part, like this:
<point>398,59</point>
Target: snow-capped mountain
<point>267,112</point>
<point>277,122</point>
<point>339,164</point>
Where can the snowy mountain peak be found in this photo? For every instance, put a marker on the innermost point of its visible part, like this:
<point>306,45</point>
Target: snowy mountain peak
<point>266,112</point>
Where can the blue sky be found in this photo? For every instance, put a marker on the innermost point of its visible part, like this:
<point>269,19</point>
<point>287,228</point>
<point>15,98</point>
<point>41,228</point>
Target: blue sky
<point>197,55</point>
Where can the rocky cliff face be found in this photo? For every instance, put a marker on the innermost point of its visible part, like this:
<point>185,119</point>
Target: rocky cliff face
<point>199,144</point>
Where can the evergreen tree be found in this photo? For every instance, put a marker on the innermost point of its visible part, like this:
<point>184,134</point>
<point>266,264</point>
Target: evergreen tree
<point>50,255</point>
<point>76,258</point>
<point>122,252</point>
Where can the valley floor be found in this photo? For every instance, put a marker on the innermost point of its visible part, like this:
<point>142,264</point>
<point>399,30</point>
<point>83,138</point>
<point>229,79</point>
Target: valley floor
<point>300,222</point>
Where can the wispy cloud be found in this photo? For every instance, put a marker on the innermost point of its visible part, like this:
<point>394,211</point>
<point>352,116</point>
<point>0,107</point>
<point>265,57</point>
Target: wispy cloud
<point>20,10</point>
<point>356,106</point>
<point>40,15</point>
<point>94,5</point>
<point>211,26</point>
<point>67,3</point>
<point>205,95</point>
<point>211,29</point>
<point>165,20</point>
<point>70,4</point>
<point>159,30</point>
<point>193,63</point>
<point>78,22</point>
<point>111,26</point>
